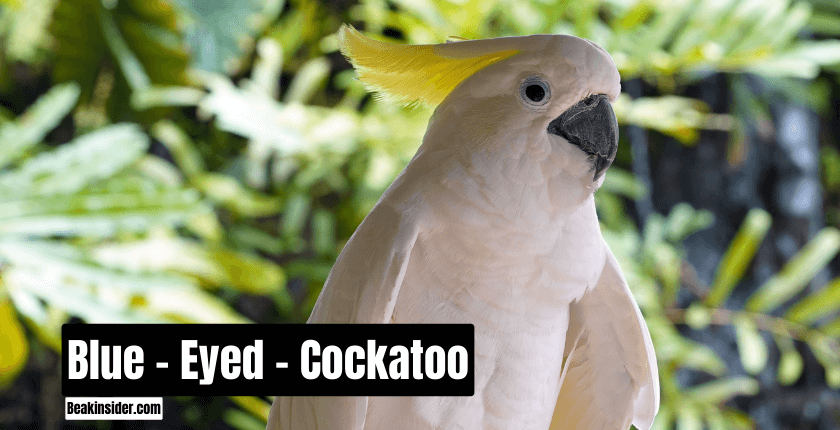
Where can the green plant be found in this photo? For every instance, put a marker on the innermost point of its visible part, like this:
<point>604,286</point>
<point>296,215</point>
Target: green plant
<point>271,180</point>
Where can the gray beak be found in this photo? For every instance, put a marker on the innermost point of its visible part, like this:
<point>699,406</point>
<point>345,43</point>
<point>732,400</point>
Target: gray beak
<point>591,126</point>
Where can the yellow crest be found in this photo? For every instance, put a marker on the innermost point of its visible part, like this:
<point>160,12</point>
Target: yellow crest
<point>414,73</point>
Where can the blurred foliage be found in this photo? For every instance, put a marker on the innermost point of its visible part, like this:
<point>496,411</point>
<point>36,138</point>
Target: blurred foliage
<point>223,150</point>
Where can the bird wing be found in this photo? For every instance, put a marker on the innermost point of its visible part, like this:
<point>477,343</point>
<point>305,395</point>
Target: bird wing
<point>609,378</point>
<point>362,288</point>
<point>365,280</point>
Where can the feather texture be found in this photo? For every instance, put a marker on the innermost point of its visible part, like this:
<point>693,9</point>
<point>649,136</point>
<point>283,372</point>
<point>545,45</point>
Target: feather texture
<point>610,377</point>
<point>411,74</point>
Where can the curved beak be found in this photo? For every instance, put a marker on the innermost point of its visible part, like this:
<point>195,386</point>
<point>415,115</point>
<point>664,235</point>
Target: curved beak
<point>591,126</point>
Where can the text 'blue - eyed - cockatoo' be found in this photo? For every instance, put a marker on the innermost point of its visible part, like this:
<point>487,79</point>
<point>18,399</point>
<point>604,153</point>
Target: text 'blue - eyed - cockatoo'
<point>493,223</point>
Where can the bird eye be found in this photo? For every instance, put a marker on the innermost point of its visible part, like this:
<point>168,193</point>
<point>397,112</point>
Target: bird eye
<point>534,92</point>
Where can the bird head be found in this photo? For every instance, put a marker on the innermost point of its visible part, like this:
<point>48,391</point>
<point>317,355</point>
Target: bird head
<point>552,91</point>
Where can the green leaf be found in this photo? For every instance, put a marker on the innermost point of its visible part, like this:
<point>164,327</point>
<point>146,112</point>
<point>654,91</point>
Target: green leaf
<point>265,76</point>
<point>33,126</point>
<point>158,96</point>
<point>827,352</point>
<point>211,264</point>
<point>285,129</point>
<point>679,117</point>
<point>233,195</point>
<point>131,67</point>
<point>80,46</point>
<point>294,215</point>
<point>26,37</point>
<point>697,316</point>
<point>738,420</point>
<point>242,421</point>
<point>738,256</point>
<point>751,346</point>
<point>816,305</point>
<point>825,23</point>
<point>14,348</point>
<point>790,367</point>
<point>67,279</point>
<point>307,81</point>
<point>221,32</point>
<point>701,357</point>
<point>797,273</point>
<point>153,37</point>
<point>65,263</point>
<point>255,406</point>
<point>99,215</point>
<point>182,148</point>
<point>688,418</point>
<point>832,328</point>
<point>803,61</point>
<point>624,183</point>
<point>248,237</point>
<point>73,166</point>
<point>323,232</point>
<point>715,419</point>
<point>721,390</point>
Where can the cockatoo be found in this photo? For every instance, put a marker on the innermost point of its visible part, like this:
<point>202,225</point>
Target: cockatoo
<point>493,223</point>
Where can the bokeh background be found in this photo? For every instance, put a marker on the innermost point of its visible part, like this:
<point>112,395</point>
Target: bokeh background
<point>198,161</point>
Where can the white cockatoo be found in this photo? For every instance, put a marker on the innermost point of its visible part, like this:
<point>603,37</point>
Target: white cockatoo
<point>493,223</point>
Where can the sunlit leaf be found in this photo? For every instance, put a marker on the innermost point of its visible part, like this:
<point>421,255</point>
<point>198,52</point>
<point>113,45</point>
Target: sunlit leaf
<point>698,317</point>
<point>751,346</point>
<point>99,215</point>
<point>26,36</point>
<point>790,367</point>
<point>796,274</point>
<point>678,117</point>
<point>212,264</point>
<point>73,166</point>
<point>816,305</point>
<point>688,418</point>
<point>738,256</point>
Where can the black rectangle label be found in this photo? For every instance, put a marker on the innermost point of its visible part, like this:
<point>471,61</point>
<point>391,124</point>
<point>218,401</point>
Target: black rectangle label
<point>267,360</point>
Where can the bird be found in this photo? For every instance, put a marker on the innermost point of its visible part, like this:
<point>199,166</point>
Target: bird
<point>493,223</point>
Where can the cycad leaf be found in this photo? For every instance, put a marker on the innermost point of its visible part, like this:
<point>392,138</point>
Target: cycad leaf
<point>99,214</point>
<point>70,168</point>
<point>214,265</point>
<point>31,128</point>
